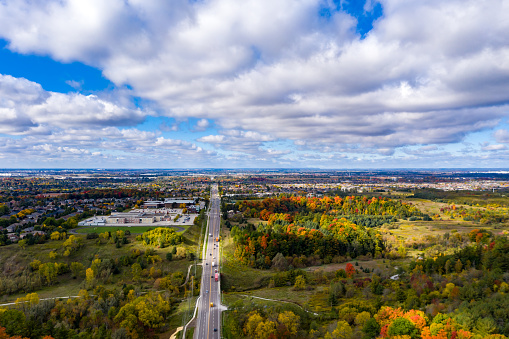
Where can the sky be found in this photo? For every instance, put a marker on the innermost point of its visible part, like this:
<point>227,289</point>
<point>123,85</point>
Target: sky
<point>332,84</point>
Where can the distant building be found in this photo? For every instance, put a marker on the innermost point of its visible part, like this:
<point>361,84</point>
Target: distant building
<point>95,221</point>
<point>34,233</point>
<point>175,203</point>
<point>153,204</point>
<point>12,237</point>
<point>135,217</point>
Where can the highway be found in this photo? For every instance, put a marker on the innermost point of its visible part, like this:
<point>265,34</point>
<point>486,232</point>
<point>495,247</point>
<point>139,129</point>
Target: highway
<point>209,314</point>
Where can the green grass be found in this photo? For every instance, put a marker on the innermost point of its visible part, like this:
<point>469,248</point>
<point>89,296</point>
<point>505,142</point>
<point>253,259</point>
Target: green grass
<point>285,294</point>
<point>236,276</point>
<point>132,229</point>
<point>69,288</point>
<point>231,299</point>
<point>177,318</point>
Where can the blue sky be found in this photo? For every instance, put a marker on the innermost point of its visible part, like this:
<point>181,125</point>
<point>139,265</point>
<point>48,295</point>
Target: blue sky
<point>308,83</point>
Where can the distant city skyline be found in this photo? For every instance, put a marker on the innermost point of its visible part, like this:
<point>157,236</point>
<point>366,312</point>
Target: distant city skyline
<point>254,84</point>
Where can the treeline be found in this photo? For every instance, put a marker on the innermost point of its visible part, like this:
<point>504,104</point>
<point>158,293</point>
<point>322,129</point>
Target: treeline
<point>492,256</point>
<point>339,206</point>
<point>340,238</point>
<point>322,229</point>
<point>490,215</point>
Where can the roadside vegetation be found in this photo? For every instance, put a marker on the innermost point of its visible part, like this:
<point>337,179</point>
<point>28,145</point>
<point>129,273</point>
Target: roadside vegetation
<point>121,285</point>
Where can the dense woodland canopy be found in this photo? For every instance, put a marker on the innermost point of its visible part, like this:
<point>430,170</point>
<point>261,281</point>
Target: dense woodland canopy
<point>322,227</point>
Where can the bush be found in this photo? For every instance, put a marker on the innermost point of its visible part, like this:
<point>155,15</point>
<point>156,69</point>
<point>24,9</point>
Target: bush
<point>92,235</point>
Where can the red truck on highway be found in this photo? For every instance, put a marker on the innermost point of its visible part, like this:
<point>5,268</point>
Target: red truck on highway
<point>217,276</point>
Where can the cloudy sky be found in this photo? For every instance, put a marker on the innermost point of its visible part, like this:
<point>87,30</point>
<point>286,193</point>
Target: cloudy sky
<point>254,83</point>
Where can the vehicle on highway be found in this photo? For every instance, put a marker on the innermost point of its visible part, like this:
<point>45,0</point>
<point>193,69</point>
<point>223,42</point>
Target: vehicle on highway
<point>215,329</point>
<point>211,304</point>
<point>207,291</point>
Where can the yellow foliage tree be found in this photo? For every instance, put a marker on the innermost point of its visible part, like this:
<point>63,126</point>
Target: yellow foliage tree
<point>253,320</point>
<point>150,310</point>
<point>300,283</point>
<point>265,329</point>
<point>35,264</point>
<point>290,320</point>
<point>55,235</point>
<point>342,331</point>
<point>362,318</point>
<point>89,273</point>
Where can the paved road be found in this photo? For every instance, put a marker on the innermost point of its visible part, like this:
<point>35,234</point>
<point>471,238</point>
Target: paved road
<point>209,317</point>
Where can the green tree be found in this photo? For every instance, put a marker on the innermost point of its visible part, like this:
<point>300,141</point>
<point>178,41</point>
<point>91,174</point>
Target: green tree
<point>402,326</point>
<point>77,269</point>
<point>376,285</point>
<point>371,329</point>
<point>458,266</point>
<point>22,243</point>
<point>485,326</point>
<point>14,321</point>
<point>279,262</point>
<point>136,271</point>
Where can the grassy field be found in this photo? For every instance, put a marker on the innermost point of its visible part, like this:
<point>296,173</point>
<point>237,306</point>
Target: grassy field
<point>236,276</point>
<point>182,314</point>
<point>132,229</point>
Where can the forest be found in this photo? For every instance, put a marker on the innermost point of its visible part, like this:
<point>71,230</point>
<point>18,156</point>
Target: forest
<point>447,284</point>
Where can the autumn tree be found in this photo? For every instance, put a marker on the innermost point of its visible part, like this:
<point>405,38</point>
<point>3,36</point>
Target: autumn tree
<point>290,320</point>
<point>265,329</point>
<point>90,275</point>
<point>343,330</point>
<point>149,310</point>
<point>253,320</point>
<point>350,270</point>
<point>362,318</point>
<point>49,271</point>
<point>300,283</point>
